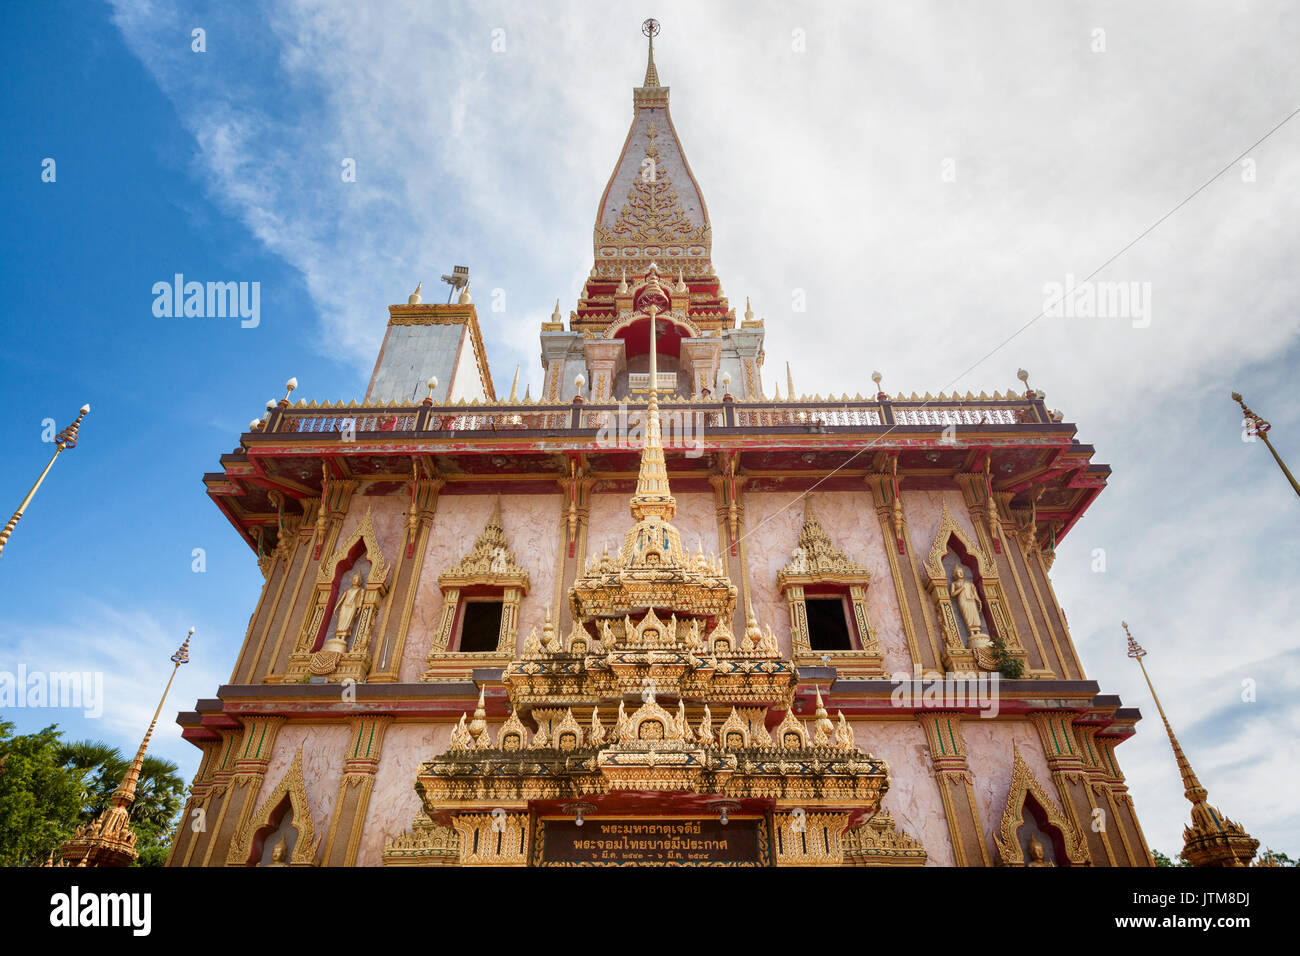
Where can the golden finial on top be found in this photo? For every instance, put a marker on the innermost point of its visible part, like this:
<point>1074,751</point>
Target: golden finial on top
<point>650,29</point>
<point>1134,648</point>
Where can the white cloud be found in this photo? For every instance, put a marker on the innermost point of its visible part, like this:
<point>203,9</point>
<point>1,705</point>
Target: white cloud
<point>132,651</point>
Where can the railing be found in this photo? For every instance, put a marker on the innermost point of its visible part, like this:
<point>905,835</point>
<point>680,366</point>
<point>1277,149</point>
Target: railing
<point>688,417</point>
<point>299,420</point>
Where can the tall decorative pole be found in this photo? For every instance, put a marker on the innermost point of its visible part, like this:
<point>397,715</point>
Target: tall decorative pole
<point>109,840</point>
<point>1212,839</point>
<point>65,439</point>
<point>1260,427</point>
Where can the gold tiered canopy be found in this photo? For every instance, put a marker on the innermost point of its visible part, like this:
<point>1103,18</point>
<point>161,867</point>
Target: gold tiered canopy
<point>652,702</point>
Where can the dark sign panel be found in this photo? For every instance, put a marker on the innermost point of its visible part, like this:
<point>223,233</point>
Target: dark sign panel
<point>652,842</point>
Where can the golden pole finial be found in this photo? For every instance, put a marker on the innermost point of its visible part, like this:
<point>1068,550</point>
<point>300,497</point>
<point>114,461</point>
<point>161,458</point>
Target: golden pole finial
<point>650,29</point>
<point>1212,839</point>
<point>108,840</point>
<point>789,383</point>
<point>65,439</point>
<point>1259,427</point>
<point>514,385</point>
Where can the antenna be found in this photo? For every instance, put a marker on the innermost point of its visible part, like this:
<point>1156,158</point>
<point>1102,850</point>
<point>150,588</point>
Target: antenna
<point>458,279</point>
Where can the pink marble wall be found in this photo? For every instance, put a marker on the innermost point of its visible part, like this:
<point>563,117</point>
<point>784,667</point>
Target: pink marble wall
<point>913,796</point>
<point>387,517</point>
<point>773,521</point>
<point>924,510</point>
<point>610,520</point>
<point>393,802</point>
<point>531,524</point>
<point>323,749</point>
<point>850,519</point>
<point>989,749</point>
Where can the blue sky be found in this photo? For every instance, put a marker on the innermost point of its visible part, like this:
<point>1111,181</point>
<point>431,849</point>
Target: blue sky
<point>483,134</point>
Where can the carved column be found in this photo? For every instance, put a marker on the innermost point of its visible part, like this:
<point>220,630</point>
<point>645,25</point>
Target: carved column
<point>1023,548</point>
<point>956,786</point>
<point>576,512</point>
<point>913,608</point>
<point>1065,762</point>
<point>348,820</point>
<point>700,359</point>
<point>195,830</point>
<point>730,509</point>
<point>605,359</point>
<point>251,761</point>
<point>1118,823</point>
<point>395,623</point>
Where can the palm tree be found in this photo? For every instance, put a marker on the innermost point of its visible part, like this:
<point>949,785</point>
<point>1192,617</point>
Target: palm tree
<point>158,795</point>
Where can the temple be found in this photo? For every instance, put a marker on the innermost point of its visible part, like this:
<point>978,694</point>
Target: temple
<point>658,614</point>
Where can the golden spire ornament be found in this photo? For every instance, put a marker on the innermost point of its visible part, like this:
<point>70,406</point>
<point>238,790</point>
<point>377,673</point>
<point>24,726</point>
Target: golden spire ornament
<point>1212,839</point>
<point>653,496</point>
<point>1259,427</point>
<point>650,29</point>
<point>65,439</point>
<point>109,839</point>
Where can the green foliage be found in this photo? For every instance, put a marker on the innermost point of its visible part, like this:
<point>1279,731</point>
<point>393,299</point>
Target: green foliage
<point>1011,667</point>
<point>40,798</point>
<point>1162,860</point>
<point>49,786</point>
<point>153,855</point>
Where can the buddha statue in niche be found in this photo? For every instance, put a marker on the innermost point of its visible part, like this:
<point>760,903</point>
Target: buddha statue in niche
<point>349,602</point>
<point>967,599</point>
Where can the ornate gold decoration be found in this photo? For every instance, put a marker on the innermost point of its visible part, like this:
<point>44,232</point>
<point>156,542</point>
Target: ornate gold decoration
<point>879,842</point>
<point>652,213</point>
<point>816,562</point>
<point>979,653</point>
<point>294,787</point>
<point>1023,783</point>
<point>492,839</point>
<point>336,659</point>
<point>649,622</point>
<point>489,563</point>
<point>425,844</point>
<point>810,839</point>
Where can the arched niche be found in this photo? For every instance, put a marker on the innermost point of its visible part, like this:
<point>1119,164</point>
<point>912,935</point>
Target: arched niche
<point>356,562</point>
<point>1030,811</point>
<point>952,547</point>
<point>310,659</point>
<point>285,807</point>
<point>279,829</point>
